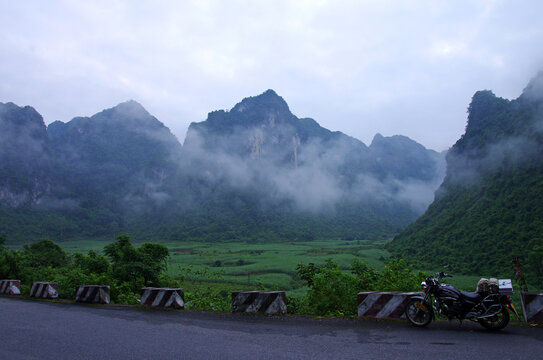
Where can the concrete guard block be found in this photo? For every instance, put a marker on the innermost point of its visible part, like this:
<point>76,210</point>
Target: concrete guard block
<point>163,297</point>
<point>44,290</point>
<point>384,305</point>
<point>532,307</point>
<point>10,287</point>
<point>265,302</point>
<point>92,294</point>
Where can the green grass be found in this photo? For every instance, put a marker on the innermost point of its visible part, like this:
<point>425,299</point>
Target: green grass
<point>274,265</point>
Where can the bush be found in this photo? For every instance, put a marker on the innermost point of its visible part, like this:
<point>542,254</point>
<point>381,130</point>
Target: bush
<point>44,253</point>
<point>124,294</point>
<point>398,276</point>
<point>208,299</point>
<point>68,279</point>
<point>127,270</point>
<point>9,268</point>
<point>333,291</point>
<point>137,266</point>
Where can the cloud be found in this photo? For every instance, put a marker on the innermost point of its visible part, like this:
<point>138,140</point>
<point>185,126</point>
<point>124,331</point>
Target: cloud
<point>470,168</point>
<point>359,67</point>
<point>508,147</point>
<point>319,178</point>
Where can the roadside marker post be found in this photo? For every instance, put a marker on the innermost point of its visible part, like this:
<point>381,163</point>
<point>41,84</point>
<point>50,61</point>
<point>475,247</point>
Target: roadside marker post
<point>384,305</point>
<point>92,294</point>
<point>163,297</point>
<point>10,287</point>
<point>44,290</point>
<point>265,302</point>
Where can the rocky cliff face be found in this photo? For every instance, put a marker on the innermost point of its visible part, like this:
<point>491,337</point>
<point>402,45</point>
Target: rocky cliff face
<point>259,127</point>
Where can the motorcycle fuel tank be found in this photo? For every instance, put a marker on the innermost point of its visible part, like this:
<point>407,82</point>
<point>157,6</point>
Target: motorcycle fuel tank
<point>446,291</point>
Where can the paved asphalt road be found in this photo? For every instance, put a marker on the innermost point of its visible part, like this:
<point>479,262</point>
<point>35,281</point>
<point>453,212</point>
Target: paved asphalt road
<point>44,330</point>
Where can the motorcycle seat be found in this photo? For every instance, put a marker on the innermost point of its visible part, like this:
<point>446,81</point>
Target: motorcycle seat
<point>473,296</point>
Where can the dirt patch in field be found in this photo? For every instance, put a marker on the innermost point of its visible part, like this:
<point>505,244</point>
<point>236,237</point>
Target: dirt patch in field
<point>182,251</point>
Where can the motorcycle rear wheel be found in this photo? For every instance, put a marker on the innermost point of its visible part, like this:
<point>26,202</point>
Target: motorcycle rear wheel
<point>496,322</point>
<point>417,313</point>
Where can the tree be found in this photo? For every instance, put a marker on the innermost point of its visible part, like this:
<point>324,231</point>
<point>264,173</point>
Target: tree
<point>141,266</point>
<point>398,276</point>
<point>8,262</point>
<point>44,253</point>
<point>92,262</point>
<point>155,261</point>
<point>331,291</point>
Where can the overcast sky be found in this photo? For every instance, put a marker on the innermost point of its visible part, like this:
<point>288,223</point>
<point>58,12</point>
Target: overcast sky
<point>360,67</point>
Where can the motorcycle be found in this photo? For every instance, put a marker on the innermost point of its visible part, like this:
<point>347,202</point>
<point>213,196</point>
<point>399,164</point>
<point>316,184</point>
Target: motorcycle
<point>488,308</point>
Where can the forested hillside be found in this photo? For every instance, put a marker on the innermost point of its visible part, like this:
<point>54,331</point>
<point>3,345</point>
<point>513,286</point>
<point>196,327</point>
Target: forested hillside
<point>489,208</point>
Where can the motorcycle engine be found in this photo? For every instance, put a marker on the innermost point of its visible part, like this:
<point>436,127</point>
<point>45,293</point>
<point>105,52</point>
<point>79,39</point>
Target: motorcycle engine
<point>448,299</point>
<point>450,307</point>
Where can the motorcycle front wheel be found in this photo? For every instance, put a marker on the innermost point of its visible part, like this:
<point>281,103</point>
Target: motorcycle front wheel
<point>418,313</point>
<point>496,322</point>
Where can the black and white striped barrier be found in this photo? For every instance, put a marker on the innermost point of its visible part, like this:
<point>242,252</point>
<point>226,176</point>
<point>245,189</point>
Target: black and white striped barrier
<point>45,290</point>
<point>10,287</point>
<point>266,302</point>
<point>532,307</point>
<point>163,297</point>
<point>384,305</point>
<point>93,294</point>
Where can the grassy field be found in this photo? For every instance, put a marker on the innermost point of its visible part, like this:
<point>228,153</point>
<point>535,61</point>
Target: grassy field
<point>273,266</point>
<point>249,265</point>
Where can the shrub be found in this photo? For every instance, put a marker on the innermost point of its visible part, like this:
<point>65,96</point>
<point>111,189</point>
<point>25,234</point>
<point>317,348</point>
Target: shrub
<point>398,276</point>
<point>333,291</point>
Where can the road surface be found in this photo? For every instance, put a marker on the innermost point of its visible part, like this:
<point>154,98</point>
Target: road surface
<point>44,330</point>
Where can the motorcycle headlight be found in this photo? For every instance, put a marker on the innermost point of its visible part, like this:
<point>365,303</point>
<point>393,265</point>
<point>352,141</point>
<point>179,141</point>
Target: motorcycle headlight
<point>423,285</point>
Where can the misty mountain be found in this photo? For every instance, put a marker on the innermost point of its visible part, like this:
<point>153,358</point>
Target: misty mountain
<point>260,145</point>
<point>24,155</point>
<point>279,176</point>
<point>87,177</point>
<point>490,205</point>
<point>121,158</point>
<point>255,172</point>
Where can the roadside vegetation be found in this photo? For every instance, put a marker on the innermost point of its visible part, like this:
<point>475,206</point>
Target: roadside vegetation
<point>320,278</point>
<point>332,291</point>
<point>319,288</point>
